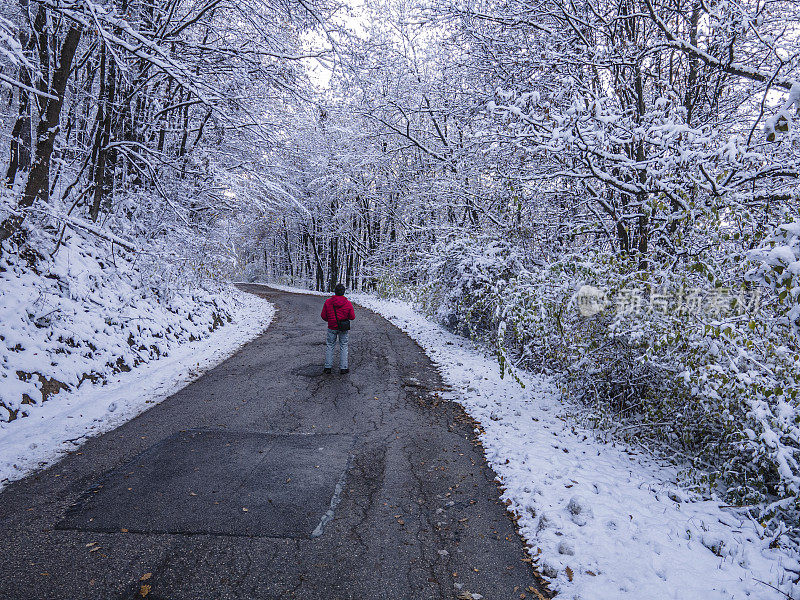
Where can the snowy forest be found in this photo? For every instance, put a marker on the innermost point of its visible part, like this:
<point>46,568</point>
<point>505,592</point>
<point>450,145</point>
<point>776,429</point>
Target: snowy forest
<point>606,192</point>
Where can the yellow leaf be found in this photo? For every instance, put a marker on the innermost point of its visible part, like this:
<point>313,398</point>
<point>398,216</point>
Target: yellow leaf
<point>145,577</point>
<point>144,590</point>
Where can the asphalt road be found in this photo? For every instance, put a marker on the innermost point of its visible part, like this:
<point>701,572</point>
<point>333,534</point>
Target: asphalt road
<point>266,479</point>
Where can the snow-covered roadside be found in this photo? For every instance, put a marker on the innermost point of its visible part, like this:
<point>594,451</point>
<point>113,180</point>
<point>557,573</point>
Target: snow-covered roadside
<point>65,421</point>
<point>604,522</point>
<point>296,290</point>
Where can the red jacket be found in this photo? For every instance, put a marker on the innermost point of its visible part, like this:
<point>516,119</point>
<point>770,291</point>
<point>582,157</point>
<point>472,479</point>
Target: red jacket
<point>343,310</point>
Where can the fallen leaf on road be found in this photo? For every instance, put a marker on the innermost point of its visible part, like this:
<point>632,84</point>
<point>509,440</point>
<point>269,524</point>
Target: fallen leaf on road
<point>145,577</point>
<point>192,494</point>
<point>144,590</point>
<point>95,549</point>
<point>568,571</point>
<point>244,509</point>
<point>90,544</point>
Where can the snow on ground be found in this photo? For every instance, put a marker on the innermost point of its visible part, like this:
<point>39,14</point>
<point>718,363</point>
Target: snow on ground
<point>88,312</point>
<point>296,290</point>
<point>604,521</point>
<point>62,423</point>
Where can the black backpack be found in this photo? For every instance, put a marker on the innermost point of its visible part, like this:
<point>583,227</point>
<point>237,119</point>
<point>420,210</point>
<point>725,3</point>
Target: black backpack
<point>344,324</point>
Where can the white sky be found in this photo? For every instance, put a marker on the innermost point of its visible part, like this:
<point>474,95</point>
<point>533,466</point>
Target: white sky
<point>355,20</point>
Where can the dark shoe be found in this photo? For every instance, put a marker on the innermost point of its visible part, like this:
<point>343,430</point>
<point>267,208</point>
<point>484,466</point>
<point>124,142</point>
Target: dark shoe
<point>326,371</point>
<point>343,371</point>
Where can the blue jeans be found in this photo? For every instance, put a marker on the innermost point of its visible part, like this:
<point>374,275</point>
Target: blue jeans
<point>343,339</point>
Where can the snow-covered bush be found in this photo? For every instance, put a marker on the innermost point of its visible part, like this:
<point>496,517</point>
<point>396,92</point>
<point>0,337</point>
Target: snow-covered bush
<point>684,361</point>
<point>464,278</point>
<point>779,269</point>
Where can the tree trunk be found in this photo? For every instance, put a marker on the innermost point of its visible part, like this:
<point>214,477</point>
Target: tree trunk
<point>334,264</point>
<point>288,251</point>
<point>20,159</point>
<point>38,185</point>
<point>103,175</point>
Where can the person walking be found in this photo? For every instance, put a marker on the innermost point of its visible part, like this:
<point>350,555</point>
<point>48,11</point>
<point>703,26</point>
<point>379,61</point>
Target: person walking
<point>338,312</point>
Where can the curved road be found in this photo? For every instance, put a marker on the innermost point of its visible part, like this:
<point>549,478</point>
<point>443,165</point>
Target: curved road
<point>266,479</point>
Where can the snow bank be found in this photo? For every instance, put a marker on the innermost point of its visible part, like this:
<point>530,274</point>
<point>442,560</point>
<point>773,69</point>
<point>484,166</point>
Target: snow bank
<point>295,290</point>
<point>604,522</point>
<point>66,420</point>
<point>87,313</point>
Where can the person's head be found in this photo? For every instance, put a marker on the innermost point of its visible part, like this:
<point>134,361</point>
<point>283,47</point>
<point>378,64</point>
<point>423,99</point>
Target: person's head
<point>339,289</point>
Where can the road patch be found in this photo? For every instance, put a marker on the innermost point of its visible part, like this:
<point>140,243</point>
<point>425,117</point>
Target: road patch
<point>220,483</point>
